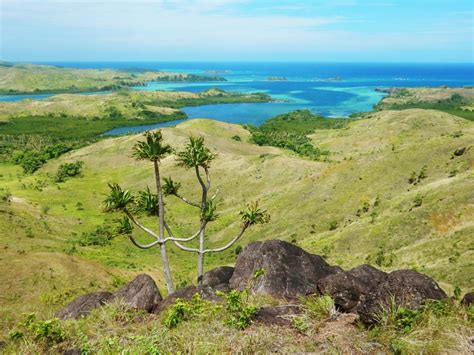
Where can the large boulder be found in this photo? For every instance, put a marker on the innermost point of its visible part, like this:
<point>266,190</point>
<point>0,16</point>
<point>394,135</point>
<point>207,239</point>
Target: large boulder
<point>406,288</point>
<point>288,271</point>
<point>141,293</point>
<point>218,278</point>
<point>349,288</point>
<point>468,299</point>
<point>83,305</point>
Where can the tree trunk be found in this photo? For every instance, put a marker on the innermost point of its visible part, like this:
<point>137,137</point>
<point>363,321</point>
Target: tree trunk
<point>200,266</point>
<point>161,223</point>
<point>166,269</point>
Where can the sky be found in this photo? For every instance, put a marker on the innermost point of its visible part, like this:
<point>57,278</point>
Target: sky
<point>237,30</point>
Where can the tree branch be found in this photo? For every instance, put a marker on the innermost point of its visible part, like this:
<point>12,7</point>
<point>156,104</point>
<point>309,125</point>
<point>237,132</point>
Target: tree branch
<point>141,226</point>
<point>215,195</point>
<point>143,246</point>
<point>185,200</point>
<point>176,239</point>
<point>232,242</point>
<point>208,177</point>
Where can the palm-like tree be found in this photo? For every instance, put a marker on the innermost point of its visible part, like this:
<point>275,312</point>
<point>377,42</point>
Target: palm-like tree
<point>199,157</point>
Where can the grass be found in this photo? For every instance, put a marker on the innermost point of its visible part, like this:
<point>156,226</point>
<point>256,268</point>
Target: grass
<point>363,190</point>
<point>440,329</point>
<point>455,101</point>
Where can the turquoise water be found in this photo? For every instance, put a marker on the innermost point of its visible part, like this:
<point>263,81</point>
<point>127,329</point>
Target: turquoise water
<point>328,89</point>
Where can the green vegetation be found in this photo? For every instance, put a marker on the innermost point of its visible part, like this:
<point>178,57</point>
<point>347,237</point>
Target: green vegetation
<point>291,130</point>
<point>198,158</point>
<point>31,130</point>
<point>29,79</point>
<point>458,102</point>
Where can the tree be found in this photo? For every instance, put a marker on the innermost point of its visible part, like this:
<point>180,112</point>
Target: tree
<point>198,157</point>
<point>195,156</point>
<point>154,150</point>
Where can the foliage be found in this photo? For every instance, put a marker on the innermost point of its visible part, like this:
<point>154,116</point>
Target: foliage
<point>253,214</point>
<point>102,235</point>
<point>68,170</point>
<point>184,310</point>
<point>118,199</point>
<point>291,130</point>
<point>48,331</point>
<point>153,148</point>
<point>147,202</point>
<point>195,154</point>
<point>239,312</point>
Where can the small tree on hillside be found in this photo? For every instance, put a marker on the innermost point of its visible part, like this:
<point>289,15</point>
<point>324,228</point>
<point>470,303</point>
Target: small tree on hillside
<point>198,157</point>
<point>154,150</point>
<point>195,156</point>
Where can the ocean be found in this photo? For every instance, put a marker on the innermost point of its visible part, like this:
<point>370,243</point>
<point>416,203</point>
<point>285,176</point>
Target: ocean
<point>327,89</point>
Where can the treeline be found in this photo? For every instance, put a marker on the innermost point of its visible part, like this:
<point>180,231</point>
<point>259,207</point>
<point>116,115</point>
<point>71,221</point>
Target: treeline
<point>291,130</point>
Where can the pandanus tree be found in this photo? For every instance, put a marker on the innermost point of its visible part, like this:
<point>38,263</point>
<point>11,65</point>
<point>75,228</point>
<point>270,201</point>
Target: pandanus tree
<point>195,156</point>
<point>198,157</point>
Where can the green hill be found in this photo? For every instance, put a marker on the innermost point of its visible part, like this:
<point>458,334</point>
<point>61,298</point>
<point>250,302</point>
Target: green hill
<point>356,207</point>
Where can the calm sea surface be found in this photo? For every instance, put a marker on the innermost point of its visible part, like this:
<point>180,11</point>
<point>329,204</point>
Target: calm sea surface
<point>329,89</point>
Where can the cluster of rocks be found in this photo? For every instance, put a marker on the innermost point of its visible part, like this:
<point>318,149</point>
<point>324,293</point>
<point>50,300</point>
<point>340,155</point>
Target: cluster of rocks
<point>287,272</point>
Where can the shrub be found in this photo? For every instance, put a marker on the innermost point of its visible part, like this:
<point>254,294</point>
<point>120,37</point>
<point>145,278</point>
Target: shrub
<point>68,170</point>
<point>184,310</point>
<point>333,225</point>
<point>239,313</point>
<point>49,331</point>
<point>418,201</point>
<point>31,161</point>
<point>101,236</point>
<point>237,138</point>
<point>320,308</point>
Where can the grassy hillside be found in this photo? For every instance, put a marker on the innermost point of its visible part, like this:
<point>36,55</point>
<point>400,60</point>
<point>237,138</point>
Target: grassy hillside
<point>356,207</point>
<point>456,101</point>
<point>29,78</point>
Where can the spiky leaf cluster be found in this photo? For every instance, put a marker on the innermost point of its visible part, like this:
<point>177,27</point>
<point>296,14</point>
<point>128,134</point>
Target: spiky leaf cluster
<point>124,227</point>
<point>208,213</point>
<point>118,199</point>
<point>147,202</point>
<point>253,214</point>
<point>153,148</point>
<point>196,154</point>
<point>171,187</point>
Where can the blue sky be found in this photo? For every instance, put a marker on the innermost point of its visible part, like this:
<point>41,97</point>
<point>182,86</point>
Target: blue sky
<point>237,30</point>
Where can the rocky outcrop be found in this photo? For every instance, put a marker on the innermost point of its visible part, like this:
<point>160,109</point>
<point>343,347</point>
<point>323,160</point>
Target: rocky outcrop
<point>278,315</point>
<point>468,299</point>
<point>287,271</point>
<point>218,278</point>
<point>406,288</point>
<point>141,293</point>
<point>83,305</point>
<point>349,288</point>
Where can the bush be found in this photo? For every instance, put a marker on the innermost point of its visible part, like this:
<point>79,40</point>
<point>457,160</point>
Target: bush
<point>101,236</point>
<point>30,161</point>
<point>239,313</point>
<point>49,331</point>
<point>237,138</point>
<point>68,170</point>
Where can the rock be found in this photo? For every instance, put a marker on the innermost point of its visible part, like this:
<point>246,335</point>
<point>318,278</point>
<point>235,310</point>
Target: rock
<point>460,151</point>
<point>289,271</point>
<point>83,305</point>
<point>468,299</point>
<point>141,293</point>
<point>73,351</point>
<point>278,315</point>
<point>349,288</point>
<point>218,277</point>
<point>408,288</point>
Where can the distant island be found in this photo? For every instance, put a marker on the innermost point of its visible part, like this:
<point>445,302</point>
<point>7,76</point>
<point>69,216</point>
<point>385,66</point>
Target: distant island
<point>46,79</point>
<point>216,72</point>
<point>277,78</point>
